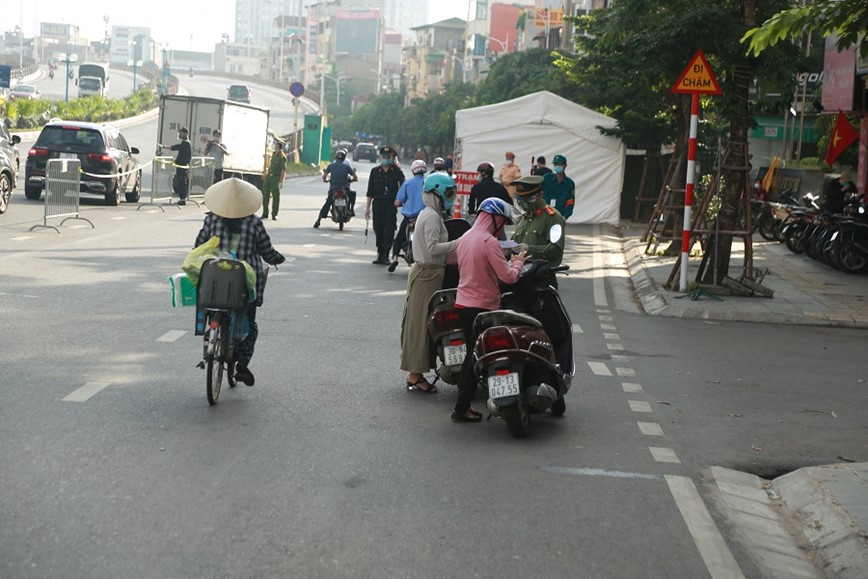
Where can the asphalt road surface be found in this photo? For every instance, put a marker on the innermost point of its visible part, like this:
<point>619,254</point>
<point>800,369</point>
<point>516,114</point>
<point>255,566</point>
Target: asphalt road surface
<point>114,465</point>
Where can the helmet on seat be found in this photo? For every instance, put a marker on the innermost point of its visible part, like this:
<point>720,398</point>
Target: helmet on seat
<point>496,206</point>
<point>486,168</point>
<point>418,167</point>
<point>341,154</point>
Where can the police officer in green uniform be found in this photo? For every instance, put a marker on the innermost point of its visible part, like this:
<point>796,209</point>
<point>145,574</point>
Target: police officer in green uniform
<point>274,180</point>
<point>537,219</point>
<point>383,185</point>
<point>559,191</point>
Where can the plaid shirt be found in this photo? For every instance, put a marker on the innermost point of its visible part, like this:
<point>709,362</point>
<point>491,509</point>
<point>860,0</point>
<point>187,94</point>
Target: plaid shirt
<point>254,246</point>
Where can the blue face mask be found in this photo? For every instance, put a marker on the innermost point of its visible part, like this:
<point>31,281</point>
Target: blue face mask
<point>559,169</point>
<point>385,162</point>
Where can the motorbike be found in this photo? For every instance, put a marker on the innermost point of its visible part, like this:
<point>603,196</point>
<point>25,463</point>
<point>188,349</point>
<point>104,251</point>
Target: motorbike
<point>340,211</point>
<point>448,347</point>
<point>524,351</point>
<point>51,73</point>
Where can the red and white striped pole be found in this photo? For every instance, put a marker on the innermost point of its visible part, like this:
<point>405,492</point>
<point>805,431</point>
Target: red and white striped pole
<point>688,191</point>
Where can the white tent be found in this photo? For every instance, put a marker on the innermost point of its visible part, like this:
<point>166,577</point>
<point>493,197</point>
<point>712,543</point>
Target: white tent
<point>545,124</point>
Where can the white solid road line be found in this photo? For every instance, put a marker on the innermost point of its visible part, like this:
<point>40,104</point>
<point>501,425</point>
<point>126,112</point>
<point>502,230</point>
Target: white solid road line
<point>712,548</point>
<point>171,335</point>
<point>86,392</point>
<point>599,271</point>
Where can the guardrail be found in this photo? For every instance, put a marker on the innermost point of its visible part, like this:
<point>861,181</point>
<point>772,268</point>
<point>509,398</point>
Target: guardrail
<point>62,189</point>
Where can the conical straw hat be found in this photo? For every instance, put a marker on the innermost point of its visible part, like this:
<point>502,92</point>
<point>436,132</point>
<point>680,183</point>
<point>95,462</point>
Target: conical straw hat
<point>233,198</point>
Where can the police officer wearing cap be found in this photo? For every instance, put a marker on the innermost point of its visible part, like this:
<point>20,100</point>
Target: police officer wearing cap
<point>273,181</point>
<point>537,219</point>
<point>559,191</point>
<point>383,184</point>
<point>181,182</point>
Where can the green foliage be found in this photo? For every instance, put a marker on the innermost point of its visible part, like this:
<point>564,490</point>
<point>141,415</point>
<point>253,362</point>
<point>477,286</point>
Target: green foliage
<point>846,19</point>
<point>521,73</point>
<point>30,114</point>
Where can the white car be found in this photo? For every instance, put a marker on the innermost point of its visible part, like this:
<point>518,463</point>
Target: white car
<point>24,91</point>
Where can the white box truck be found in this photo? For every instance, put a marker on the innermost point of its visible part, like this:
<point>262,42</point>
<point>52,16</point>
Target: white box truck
<point>244,130</point>
<point>93,79</point>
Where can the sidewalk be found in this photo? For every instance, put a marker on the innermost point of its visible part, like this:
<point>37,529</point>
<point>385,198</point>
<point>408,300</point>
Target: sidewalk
<point>806,292</point>
<point>813,519</point>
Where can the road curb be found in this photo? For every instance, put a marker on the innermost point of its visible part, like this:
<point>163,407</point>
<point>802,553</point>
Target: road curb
<point>830,504</point>
<point>774,544</point>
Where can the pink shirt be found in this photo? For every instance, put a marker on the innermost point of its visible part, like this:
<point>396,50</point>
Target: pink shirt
<point>481,264</point>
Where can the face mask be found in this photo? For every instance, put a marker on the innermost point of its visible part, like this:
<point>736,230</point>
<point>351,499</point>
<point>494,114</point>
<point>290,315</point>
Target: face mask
<point>385,162</point>
<point>526,205</point>
<point>509,161</point>
<point>447,205</point>
<point>559,169</point>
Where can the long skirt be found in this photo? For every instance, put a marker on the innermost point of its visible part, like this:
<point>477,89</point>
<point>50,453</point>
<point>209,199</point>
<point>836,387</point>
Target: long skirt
<point>424,280</point>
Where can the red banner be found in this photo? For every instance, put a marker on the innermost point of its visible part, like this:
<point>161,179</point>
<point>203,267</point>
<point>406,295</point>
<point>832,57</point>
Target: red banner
<point>464,181</point>
<point>843,135</point>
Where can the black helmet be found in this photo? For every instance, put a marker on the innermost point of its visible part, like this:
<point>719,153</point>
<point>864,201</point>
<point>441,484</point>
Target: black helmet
<point>486,168</point>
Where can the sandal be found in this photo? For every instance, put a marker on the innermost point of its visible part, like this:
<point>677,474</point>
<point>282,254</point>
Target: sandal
<point>414,386</point>
<point>469,416</point>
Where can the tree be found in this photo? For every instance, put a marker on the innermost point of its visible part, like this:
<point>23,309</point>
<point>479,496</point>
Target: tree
<point>846,19</point>
<point>520,73</point>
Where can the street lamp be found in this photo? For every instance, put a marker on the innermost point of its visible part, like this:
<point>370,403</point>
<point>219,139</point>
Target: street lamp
<point>135,64</point>
<point>68,59</point>
<point>504,46</point>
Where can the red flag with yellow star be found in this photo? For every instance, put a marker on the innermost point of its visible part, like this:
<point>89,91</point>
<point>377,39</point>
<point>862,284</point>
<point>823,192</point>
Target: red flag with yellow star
<point>843,135</point>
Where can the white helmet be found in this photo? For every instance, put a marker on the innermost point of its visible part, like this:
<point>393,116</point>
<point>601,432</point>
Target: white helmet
<point>418,167</point>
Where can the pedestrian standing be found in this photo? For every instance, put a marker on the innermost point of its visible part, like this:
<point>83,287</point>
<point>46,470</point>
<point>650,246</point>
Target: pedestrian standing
<point>540,167</point>
<point>181,180</point>
<point>559,191</point>
<point>431,246</point>
<point>533,230</point>
<point>509,172</point>
<point>481,265</point>
<point>217,151</point>
<point>273,181</point>
<point>383,184</point>
<point>233,204</point>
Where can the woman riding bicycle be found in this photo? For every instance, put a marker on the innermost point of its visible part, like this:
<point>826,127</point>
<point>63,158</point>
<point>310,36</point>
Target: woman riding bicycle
<point>233,218</point>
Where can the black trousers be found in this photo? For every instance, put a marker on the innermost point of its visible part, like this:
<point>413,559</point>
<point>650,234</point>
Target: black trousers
<point>467,381</point>
<point>218,174</point>
<point>385,221</point>
<point>181,183</point>
<point>401,237</point>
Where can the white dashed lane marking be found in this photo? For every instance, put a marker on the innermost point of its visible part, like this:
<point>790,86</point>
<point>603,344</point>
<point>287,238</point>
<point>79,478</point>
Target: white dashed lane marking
<point>86,392</point>
<point>616,347</point>
<point>631,387</point>
<point>661,454</point>
<point>625,372</point>
<point>577,329</point>
<point>171,335</point>
<point>599,368</point>
<point>639,406</point>
<point>650,428</point>
<point>611,337</point>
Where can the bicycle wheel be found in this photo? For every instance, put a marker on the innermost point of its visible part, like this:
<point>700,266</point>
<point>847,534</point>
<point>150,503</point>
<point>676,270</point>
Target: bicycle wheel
<point>214,360</point>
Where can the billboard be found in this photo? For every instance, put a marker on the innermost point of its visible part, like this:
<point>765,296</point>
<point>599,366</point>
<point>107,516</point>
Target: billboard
<point>357,32</point>
<point>122,40</point>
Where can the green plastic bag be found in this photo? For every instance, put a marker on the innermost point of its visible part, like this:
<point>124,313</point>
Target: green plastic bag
<point>193,262</point>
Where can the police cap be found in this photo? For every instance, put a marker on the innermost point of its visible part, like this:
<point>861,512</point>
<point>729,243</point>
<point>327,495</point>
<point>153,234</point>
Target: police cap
<point>528,185</point>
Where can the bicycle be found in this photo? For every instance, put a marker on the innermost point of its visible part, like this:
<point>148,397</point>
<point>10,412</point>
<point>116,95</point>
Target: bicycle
<point>221,316</point>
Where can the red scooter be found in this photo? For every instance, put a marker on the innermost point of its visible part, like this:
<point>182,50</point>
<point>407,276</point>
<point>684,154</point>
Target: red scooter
<point>524,351</point>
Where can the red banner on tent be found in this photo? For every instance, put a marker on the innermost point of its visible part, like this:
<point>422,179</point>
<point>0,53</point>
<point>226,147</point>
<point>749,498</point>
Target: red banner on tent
<point>843,135</point>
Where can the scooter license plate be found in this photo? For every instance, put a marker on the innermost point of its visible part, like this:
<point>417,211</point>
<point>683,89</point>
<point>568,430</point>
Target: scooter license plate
<point>340,202</point>
<point>503,385</point>
<point>454,355</point>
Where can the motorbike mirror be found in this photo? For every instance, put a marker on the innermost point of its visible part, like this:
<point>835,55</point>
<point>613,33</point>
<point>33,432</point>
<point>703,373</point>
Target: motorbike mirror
<point>555,233</point>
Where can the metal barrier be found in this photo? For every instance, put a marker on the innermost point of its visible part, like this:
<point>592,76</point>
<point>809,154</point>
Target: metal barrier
<point>62,188</point>
<point>201,176</point>
<point>162,172</point>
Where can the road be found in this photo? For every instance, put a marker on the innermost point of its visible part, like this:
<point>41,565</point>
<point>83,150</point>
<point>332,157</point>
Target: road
<point>115,465</point>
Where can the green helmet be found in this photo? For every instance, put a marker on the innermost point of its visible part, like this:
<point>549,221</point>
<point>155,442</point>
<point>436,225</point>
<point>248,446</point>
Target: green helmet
<point>440,184</point>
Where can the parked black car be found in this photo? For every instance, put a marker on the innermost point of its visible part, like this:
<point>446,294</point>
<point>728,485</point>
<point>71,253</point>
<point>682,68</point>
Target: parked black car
<point>367,151</point>
<point>9,164</point>
<point>102,150</point>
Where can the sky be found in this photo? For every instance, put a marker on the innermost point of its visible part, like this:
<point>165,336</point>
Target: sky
<point>199,23</point>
